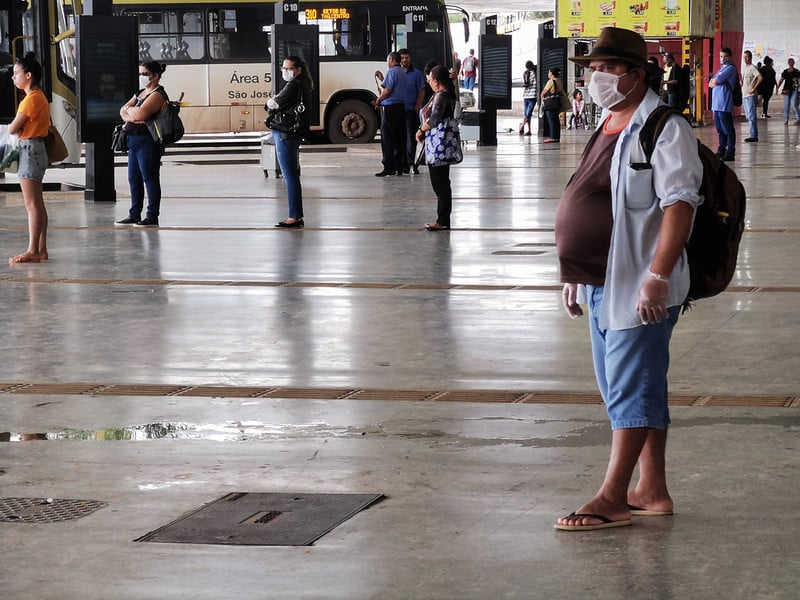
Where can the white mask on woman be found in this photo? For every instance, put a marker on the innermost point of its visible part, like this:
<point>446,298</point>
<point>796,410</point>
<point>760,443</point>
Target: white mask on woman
<point>603,89</point>
<point>144,81</point>
<point>287,74</point>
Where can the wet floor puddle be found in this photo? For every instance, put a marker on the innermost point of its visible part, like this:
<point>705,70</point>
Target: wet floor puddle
<point>222,432</point>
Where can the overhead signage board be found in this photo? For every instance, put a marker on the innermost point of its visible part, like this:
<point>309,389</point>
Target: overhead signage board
<point>651,18</point>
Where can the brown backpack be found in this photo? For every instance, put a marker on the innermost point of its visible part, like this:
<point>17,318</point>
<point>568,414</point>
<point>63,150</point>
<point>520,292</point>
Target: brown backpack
<point>713,246</point>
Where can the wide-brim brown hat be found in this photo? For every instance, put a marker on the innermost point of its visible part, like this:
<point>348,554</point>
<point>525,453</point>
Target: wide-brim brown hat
<point>615,43</point>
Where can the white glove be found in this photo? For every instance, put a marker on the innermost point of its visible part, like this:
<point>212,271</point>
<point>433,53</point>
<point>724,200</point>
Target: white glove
<point>272,104</point>
<point>652,303</point>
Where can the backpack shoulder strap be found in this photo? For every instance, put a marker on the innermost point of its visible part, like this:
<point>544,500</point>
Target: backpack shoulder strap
<point>652,128</point>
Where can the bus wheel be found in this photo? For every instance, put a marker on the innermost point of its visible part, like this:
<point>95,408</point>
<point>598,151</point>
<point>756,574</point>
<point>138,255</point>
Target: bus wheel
<point>352,122</point>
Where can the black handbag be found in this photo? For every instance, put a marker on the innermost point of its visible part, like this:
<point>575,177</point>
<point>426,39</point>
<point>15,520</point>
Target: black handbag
<point>119,139</point>
<point>165,126</point>
<point>552,102</point>
<point>287,120</point>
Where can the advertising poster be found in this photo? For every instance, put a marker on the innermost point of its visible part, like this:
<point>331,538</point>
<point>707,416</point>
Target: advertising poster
<point>650,18</point>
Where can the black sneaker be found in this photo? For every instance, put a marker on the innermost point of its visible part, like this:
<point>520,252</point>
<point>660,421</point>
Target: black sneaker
<point>127,221</point>
<point>147,223</point>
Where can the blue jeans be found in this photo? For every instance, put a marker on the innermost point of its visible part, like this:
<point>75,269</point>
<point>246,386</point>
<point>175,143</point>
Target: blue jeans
<point>144,172</point>
<point>750,114</point>
<point>631,368</point>
<point>791,100</point>
<point>469,81</point>
<point>530,104</point>
<point>725,132</point>
<point>288,151</point>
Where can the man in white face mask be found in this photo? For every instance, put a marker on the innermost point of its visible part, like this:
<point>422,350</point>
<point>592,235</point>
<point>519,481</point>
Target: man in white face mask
<point>621,228</point>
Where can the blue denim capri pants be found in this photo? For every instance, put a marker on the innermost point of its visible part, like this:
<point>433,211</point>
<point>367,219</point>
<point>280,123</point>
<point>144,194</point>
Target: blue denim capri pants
<point>631,368</point>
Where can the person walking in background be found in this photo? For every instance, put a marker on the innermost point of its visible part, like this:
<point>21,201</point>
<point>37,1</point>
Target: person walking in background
<point>144,153</point>
<point>684,86</point>
<point>621,244</point>
<point>722,85</point>
<point>751,79</point>
<point>670,89</point>
<point>469,68</point>
<point>297,91</point>
<point>440,106</point>
<point>656,78</point>
<point>391,98</point>
<point>455,74</point>
<point>788,85</point>
<point>767,86</point>
<point>415,97</point>
<point>553,86</point>
<point>528,97</point>
<point>30,125</point>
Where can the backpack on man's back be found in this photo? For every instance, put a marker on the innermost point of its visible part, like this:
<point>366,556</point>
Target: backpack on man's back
<point>713,246</point>
<point>468,66</point>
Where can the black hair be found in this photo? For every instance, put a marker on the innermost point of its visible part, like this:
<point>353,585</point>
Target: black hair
<point>429,66</point>
<point>576,92</point>
<point>155,67</point>
<point>529,65</point>
<point>299,63</point>
<point>555,72</point>
<point>768,60</point>
<point>404,51</point>
<point>30,65</point>
<point>441,75</point>
<point>727,51</point>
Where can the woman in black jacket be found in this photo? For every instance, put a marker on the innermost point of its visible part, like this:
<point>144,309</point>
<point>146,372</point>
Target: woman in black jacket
<point>291,102</point>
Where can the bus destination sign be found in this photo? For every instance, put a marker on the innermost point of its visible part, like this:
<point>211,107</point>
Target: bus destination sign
<point>315,14</point>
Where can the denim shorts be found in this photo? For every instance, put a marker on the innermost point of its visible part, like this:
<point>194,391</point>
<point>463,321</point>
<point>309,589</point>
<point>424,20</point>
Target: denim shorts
<point>32,159</point>
<point>631,368</point>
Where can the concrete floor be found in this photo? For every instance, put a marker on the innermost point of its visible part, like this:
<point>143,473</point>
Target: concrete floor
<point>169,367</point>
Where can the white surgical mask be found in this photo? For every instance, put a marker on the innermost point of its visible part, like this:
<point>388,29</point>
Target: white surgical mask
<point>287,74</point>
<point>603,89</point>
<point>144,81</point>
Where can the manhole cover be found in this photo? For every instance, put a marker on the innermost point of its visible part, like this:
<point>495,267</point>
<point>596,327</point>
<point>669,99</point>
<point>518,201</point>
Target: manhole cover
<point>262,519</point>
<point>45,510</point>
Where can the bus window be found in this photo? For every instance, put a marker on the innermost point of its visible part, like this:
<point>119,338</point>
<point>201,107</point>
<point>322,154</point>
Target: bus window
<point>173,35</point>
<point>397,32</point>
<point>241,33</point>
<point>341,30</point>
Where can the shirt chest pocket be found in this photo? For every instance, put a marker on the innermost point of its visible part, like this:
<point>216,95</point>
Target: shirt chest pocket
<point>639,192</point>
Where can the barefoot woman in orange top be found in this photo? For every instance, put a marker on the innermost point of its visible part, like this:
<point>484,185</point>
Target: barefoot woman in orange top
<point>31,124</point>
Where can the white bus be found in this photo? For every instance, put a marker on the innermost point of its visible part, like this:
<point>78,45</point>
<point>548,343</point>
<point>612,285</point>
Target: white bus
<point>218,54</point>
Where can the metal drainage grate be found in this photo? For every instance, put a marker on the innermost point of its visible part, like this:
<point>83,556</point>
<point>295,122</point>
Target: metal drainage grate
<point>45,510</point>
<point>262,519</point>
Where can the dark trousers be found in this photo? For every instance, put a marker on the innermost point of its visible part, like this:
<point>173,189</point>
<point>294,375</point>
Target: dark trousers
<point>412,124</point>
<point>144,172</point>
<point>765,103</point>
<point>393,137</point>
<point>726,132</point>
<point>554,124</point>
<point>440,181</point>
